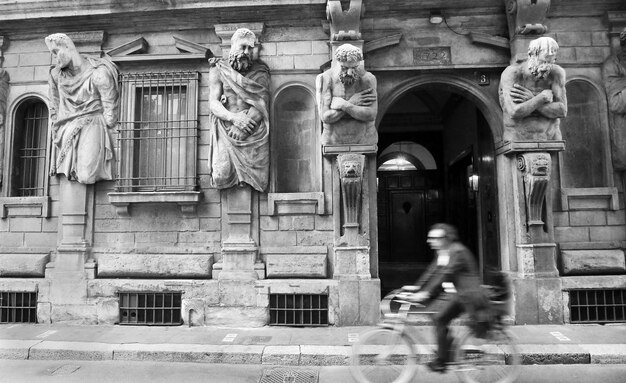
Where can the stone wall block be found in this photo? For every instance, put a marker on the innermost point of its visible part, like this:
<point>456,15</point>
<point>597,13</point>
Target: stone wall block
<point>285,223</point>
<point>324,222</point>
<point>44,312</point>
<point>45,240</point>
<point>573,39</point>
<point>11,60</point>
<point>311,61</point>
<point>21,74</point>
<point>314,238</point>
<point>590,262</point>
<point>600,38</point>
<point>237,293</point>
<point>278,238</point>
<point>279,62</point>
<point>156,238</point>
<point>592,54</point>
<point>267,49</point>
<point>210,210</point>
<point>607,233</point>
<point>14,240</point>
<point>320,48</point>
<point>296,265</point>
<point>303,223</point>
<point>571,234</point>
<point>154,265</point>
<point>616,218</point>
<point>587,218</point>
<point>236,316</point>
<point>290,48</point>
<point>114,240</point>
<point>26,224</point>
<point>269,223</point>
<point>35,59</point>
<point>23,265</point>
<point>108,311</point>
<point>561,218</point>
<point>50,225</point>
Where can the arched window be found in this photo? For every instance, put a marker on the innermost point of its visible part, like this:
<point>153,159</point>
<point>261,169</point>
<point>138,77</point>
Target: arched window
<point>28,173</point>
<point>583,159</point>
<point>295,144</point>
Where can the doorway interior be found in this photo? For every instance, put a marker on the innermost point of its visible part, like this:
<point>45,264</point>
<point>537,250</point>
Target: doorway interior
<point>435,164</point>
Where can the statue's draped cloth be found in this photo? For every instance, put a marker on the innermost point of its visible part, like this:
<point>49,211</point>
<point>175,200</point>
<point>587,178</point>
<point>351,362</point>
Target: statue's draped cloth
<point>82,147</point>
<point>232,161</point>
<point>614,73</point>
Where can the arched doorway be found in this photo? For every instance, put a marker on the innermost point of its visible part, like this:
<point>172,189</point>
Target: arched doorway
<point>436,163</point>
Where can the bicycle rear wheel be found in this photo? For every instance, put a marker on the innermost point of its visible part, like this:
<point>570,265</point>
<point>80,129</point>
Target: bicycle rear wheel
<point>492,359</point>
<point>383,355</point>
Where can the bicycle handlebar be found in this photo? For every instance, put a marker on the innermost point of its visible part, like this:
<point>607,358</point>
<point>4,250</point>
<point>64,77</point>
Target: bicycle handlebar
<point>400,296</point>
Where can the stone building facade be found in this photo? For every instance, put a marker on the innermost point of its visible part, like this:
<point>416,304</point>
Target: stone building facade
<point>231,256</point>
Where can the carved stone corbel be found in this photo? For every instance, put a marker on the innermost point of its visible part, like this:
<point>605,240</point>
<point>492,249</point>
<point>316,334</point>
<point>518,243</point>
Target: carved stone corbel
<point>351,174</point>
<point>344,25</point>
<point>527,17</point>
<point>536,169</point>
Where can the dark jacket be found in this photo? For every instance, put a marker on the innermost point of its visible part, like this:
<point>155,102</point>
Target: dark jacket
<point>462,271</point>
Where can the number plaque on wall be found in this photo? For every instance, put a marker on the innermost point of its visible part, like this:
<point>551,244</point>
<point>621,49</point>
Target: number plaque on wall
<point>432,56</point>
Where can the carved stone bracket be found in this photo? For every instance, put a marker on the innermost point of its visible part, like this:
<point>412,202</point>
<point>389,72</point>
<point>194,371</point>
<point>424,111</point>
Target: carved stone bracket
<point>527,17</point>
<point>88,42</point>
<point>536,169</point>
<point>344,25</point>
<point>351,167</point>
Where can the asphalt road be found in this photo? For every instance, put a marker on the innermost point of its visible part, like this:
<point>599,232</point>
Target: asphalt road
<point>38,371</point>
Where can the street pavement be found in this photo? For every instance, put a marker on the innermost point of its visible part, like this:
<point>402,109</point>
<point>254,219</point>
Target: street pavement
<point>285,346</point>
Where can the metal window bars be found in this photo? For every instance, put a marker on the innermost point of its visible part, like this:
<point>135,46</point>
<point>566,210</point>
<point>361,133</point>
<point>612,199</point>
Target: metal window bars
<point>31,151</point>
<point>597,305</point>
<point>158,132</point>
<point>150,308</point>
<point>18,307</point>
<point>298,310</point>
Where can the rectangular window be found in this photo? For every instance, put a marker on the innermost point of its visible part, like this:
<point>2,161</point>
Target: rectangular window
<point>158,132</point>
<point>298,310</point>
<point>597,306</point>
<point>30,145</point>
<point>18,307</point>
<point>150,308</point>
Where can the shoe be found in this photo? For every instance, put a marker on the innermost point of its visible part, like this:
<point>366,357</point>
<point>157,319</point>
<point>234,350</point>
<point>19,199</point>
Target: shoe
<point>437,366</point>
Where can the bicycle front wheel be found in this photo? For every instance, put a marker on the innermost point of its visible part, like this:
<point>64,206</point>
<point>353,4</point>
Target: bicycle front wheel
<point>492,359</point>
<point>383,356</point>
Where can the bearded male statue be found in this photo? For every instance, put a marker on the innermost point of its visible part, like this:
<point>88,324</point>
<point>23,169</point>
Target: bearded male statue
<point>347,100</point>
<point>532,95</point>
<point>239,121</point>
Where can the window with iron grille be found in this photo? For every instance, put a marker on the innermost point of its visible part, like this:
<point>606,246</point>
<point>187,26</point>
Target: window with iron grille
<point>597,306</point>
<point>298,310</point>
<point>18,307</point>
<point>150,308</point>
<point>158,132</point>
<point>29,175</point>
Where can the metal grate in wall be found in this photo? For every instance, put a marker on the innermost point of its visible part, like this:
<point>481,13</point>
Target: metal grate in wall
<point>299,310</point>
<point>150,308</point>
<point>18,307</point>
<point>597,306</point>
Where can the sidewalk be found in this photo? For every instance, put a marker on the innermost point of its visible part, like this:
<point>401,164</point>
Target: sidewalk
<point>325,346</point>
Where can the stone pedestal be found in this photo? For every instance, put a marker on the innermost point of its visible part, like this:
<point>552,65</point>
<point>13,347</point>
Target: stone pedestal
<point>532,263</point>
<point>239,251</point>
<point>68,279</point>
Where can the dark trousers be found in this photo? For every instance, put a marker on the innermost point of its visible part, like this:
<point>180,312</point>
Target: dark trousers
<point>442,319</point>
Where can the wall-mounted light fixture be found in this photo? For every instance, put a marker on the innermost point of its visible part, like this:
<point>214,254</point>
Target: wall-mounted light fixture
<point>436,17</point>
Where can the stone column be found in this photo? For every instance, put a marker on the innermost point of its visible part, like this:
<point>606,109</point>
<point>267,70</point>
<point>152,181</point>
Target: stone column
<point>533,255</point>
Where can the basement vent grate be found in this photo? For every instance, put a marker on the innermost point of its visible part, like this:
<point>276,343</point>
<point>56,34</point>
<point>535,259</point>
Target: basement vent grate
<point>298,310</point>
<point>597,306</point>
<point>289,375</point>
<point>18,307</point>
<point>150,308</point>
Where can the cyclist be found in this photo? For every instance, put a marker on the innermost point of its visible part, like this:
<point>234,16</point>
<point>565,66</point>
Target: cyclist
<point>454,263</point>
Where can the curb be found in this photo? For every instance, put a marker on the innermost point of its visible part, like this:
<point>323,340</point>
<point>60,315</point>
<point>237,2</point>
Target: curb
<point>290,355</point>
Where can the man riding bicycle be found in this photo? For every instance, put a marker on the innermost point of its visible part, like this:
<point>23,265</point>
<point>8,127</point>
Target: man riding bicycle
<point>454,263</point>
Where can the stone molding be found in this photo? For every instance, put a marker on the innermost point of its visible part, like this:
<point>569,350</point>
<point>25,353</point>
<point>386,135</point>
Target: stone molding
<point>589,199</point>
<point>25,207</point>
<point>187,201</point>
<point>194,266</point>
<point>592,262</point>
<point>23,265</point>
<point>295,203</point>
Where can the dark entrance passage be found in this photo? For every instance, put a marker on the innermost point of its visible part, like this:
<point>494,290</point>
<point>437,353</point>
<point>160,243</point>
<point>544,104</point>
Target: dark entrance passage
<point>435,164</point>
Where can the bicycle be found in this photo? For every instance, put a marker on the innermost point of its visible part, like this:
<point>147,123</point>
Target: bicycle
<point>390,354</point>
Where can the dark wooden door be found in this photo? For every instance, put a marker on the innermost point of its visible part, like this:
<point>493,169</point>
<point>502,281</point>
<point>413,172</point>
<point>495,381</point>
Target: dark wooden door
<point>408,227</point>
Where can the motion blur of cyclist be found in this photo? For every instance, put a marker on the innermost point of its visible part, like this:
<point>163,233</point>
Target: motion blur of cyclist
<point>454,263</point>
